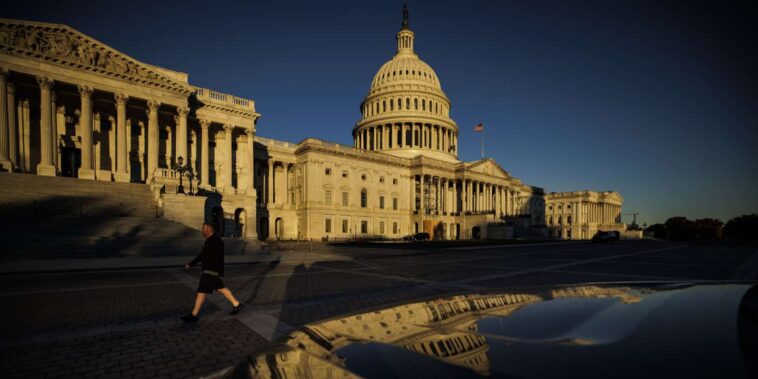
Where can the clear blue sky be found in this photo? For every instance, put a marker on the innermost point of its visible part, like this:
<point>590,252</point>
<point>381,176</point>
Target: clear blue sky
<point>657,100</point>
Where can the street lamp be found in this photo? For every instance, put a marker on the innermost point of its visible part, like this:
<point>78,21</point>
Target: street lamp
<point>181,168</point>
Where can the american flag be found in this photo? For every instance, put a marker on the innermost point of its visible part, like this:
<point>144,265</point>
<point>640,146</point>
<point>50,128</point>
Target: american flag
<point>479,127</point>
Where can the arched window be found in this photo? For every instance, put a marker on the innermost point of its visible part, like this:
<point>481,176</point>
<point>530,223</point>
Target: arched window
<point>399,104</point>
<point>407,103</point>
<point>392,104</point>
<point>364,198</point>
<point>415,104</point>
<point>423,104</point>
<point>384,105</point>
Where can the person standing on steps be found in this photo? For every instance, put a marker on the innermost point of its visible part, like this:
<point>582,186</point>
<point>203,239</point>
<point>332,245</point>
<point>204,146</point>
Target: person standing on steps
<point>212,263</point>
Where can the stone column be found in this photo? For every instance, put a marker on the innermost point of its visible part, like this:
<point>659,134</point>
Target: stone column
<point>438,196</point>
<point>45,166</point>
<point>122,151</point>
<point>469,195</point>
<point>169,146</point>
<point>249,186</point>
<point>53,131</point>
<point>12,131</point>
<point>228,159</point>
<point>421,196</point>
<point>141,153</point>
<point>270,181</point>
<point>5,161</point>
<point>152,138</point>
<point>181,133</point>
<point>204,155</point>
<point>286,167</point>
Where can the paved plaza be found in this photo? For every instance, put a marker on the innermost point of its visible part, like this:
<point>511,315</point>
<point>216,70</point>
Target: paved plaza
<point>124,323</point>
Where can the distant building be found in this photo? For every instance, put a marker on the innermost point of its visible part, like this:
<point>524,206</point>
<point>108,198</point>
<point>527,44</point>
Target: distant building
<point>72,106</point>
<point>581,214</point>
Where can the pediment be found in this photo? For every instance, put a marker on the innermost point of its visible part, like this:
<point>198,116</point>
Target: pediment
<point>64,46</point>
<point>614,195</point>
<point>488,167</point>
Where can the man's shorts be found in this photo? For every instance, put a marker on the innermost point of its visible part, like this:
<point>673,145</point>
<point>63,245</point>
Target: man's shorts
<point>209,283</point>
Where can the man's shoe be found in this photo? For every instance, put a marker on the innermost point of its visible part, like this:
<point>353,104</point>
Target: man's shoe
<point>236,309</point>
<point>190,318</point>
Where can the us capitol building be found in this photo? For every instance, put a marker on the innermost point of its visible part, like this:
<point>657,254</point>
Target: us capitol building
<point>73,106</point>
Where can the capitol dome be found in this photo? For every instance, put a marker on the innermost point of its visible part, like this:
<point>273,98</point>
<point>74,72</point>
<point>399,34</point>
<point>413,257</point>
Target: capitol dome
<point>405,112</point>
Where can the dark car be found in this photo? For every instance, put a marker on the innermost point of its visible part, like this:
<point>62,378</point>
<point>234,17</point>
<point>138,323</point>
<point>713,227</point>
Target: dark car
<point>607,237</point>
<point>417,237</point>
<point>421,237</point>
<point>661,330</point>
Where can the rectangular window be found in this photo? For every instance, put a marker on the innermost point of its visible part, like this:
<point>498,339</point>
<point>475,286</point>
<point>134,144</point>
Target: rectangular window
<point>328,197</point>
<point>381,179</point>
<point>344,174</point>
<point>381,227</point>
<point>344,199</point>
<point>327,225</point>
<point>394,203</point>
<point>364,227</point>
<point>344,226</point>
<point>394,181</point>
<point>327,171</point>
<point>381,202</point>
<point>394,228</point>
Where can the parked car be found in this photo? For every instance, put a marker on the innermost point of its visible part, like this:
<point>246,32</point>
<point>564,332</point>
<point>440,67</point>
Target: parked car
<point>417,237</point>
<point>607,237</point>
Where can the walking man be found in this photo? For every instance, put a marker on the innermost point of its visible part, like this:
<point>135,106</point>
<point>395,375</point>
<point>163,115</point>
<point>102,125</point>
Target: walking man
<point>212,262</point>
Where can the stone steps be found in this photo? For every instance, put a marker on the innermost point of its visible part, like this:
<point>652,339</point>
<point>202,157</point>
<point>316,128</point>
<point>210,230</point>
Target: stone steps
<point>26,195</point>
<point>67,217</point>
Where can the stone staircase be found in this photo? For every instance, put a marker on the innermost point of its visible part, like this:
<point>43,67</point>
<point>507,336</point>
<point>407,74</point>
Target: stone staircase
<point>66,217</point>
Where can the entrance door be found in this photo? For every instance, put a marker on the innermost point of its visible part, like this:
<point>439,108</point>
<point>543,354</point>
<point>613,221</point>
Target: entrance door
<point>71,160</point>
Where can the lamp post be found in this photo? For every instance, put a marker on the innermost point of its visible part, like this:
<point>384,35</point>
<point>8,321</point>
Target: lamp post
<point>181,168</point>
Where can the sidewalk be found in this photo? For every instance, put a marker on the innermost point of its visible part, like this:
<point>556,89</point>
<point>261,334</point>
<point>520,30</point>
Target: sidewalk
<point>26,266</point>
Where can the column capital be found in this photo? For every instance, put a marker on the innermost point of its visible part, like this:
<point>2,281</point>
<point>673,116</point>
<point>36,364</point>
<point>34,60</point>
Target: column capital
<point>121,98</point>
<point>228,128</point>
<point>204,123</point>
<point>45,82</point>
<point>250,133</point>
<point>182,111</point>
<point>153,105</point>
<point>85,91</point>
<point>4,72</point>
<point>10,87</point>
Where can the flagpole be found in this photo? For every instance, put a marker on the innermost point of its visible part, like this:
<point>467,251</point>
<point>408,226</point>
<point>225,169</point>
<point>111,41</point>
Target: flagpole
<point>482,133</point>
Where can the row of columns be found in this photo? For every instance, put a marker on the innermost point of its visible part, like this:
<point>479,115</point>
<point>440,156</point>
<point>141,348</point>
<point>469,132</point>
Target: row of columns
<point>269,191</point>
<point>584,212</point>
<point>10,138</point>
<point>439,195</point>
<point>395,136</point>
<point>603,213</point>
